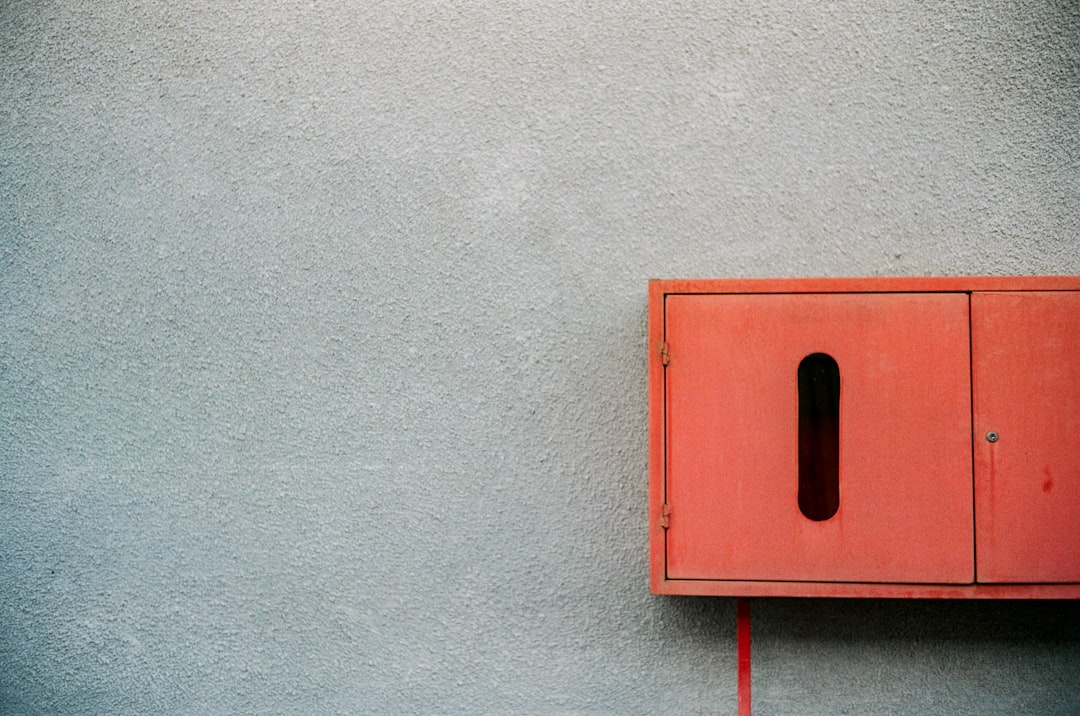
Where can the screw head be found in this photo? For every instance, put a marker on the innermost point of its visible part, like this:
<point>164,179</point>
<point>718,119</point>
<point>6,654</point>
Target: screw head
<point>992,436</point>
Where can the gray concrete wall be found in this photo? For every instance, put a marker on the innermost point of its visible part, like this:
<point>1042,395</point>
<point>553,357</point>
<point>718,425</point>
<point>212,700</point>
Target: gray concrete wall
<point>322,363</point>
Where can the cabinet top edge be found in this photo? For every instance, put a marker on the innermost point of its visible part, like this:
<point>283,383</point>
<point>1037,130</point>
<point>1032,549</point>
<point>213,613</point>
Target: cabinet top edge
<point>949,284</point>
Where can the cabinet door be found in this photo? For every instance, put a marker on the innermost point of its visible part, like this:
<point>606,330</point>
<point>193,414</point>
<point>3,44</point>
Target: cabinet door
<point>1026,378</point>
<point>732,437</point>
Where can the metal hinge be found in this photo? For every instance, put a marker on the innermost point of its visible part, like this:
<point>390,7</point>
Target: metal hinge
<point>665,353</point>
<point>665,513</point>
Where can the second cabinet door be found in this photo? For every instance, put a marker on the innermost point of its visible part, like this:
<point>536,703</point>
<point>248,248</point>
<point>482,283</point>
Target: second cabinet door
<point>732,394</point>
<point>1026,372</point>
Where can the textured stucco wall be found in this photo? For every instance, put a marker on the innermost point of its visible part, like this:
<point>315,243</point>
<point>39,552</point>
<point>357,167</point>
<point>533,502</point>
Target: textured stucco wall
<point>322,366</point>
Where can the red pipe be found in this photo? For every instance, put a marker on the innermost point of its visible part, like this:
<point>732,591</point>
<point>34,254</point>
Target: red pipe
<point>742,618</point>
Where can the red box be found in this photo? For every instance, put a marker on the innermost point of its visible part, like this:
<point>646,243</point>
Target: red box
<point>874,477</point>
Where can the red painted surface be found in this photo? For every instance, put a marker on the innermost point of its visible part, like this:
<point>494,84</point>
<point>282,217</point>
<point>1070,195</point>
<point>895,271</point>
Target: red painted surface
<point>742,618</point>
<point>657,493</point>
<point>726,588</point>
<point>1026,369</point>
<point>724,515</point>
<point>905,437</point>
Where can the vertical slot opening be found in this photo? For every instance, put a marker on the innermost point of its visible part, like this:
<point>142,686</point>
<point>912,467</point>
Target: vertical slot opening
<point>819,436</point>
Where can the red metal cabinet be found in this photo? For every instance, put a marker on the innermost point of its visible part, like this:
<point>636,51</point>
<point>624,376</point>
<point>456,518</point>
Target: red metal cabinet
<point>925,368</point>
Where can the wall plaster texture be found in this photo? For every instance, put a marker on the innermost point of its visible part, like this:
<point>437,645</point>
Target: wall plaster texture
<point>322,357</point>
